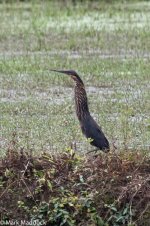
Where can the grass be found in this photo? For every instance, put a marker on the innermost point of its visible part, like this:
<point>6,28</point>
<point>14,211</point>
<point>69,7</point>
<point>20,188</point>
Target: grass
<point>108,45</point>
<point>44,166</point>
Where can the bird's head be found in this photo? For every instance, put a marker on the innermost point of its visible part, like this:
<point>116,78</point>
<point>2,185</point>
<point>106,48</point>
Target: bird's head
<point>73,74</point>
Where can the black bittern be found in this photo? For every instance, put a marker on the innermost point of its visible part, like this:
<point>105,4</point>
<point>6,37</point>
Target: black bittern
<point>88,125</point>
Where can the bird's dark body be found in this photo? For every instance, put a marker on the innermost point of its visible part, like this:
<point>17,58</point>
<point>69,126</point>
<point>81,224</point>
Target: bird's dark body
<point>88,125</point>
<point>92,131</point>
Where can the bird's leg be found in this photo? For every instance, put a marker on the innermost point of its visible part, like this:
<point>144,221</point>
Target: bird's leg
<point>95,150</point>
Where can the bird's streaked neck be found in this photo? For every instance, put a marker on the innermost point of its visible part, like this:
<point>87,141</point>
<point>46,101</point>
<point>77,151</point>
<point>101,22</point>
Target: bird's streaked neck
<point>81,101</point>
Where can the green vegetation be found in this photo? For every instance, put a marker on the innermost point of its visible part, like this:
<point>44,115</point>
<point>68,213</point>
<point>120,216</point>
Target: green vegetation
<point>65,189</point>
<point>108,44</point>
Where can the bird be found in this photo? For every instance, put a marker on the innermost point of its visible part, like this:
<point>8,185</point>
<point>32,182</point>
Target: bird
<point>89,126</point>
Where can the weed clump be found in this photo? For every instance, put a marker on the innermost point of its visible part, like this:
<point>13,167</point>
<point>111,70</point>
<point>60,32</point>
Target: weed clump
<point>67,189</point>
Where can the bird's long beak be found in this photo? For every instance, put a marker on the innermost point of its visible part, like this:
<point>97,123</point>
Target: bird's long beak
<point>61,71</point>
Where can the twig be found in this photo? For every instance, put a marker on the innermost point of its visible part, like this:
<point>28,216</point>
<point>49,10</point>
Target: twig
<point>26,167</point>
<point>28,189</point>
<point>8,188</point>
